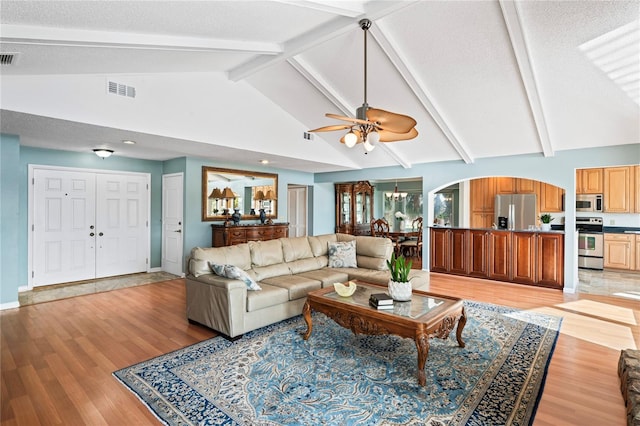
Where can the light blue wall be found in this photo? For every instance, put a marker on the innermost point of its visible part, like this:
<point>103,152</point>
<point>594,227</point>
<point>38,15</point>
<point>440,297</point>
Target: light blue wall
<point>558,170</point>
<point>10,243</point>
<point>197,233</point>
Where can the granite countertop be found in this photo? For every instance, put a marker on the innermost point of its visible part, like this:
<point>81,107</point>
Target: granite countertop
<point>621,230</point>
<point>552,231</point>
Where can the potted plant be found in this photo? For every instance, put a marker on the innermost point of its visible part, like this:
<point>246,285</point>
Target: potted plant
<point>546,221</point>
<point>399,284</point>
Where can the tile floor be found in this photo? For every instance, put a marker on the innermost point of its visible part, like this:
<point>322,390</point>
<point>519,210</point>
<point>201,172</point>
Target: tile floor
<point>80,288</point>
<point>614,283</point>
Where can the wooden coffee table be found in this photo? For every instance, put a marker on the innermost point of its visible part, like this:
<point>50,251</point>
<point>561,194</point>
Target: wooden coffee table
<point>427,315</point>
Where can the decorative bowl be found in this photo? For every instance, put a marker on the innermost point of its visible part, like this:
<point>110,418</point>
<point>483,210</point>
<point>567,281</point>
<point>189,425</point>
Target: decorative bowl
<point>345,290</point>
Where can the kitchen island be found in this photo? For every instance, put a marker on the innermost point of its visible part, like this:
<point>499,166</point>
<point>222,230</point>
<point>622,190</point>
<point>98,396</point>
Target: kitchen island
<point>519,256</point>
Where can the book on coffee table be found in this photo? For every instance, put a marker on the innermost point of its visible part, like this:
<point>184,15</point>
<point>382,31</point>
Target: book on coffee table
<point>378,299</point>
<point>388,306</point>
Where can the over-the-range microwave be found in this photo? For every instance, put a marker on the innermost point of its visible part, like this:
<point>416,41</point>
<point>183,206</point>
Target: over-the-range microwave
<point>589,203</point>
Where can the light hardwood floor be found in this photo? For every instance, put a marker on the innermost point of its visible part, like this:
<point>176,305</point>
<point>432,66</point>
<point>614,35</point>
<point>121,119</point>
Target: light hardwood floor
<point>57,357</point>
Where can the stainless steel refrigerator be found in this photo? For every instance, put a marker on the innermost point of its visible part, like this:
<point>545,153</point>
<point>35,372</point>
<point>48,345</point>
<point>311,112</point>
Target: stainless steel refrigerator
<point>519,209</point>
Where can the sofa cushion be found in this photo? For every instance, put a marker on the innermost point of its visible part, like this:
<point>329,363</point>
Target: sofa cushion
<point>297,285</point>
<point>374,263</point>
<point>304,265</point>
<point>320,243</point>
<point>373,247</point>
<point>233,272</point>
<point>295,248</point>
<point>342,255</point>
<point>265,253</point>
<point>238,255</point>
<point>269,296</point>
<point>327,276</point>
<point>262,273</point>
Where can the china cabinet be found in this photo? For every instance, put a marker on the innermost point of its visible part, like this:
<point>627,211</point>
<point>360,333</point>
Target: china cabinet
<point>354,207</point>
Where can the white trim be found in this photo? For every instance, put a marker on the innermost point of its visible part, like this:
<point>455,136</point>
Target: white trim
<point>10,305</point>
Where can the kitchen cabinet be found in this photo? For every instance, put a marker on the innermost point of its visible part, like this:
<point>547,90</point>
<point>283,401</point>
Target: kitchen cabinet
<point>637,268</point>
<point>505,185</point>
<point>636,188</point>
<point>551,199</point>
<point>478,253</point>
<point>590,181</point>
<point>550,260</point>
<point>229,235</point>
<point>500,255</point>
<point>524,257</point>
<point>617,189</point>
<point>526,186</point>
<point>483,193</point>
<point>354,208</point>
<point>532,258</point>
<point>450,247</point>
<point>620,251</point>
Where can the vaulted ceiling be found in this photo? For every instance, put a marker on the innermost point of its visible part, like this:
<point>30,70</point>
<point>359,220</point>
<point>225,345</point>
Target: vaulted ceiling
<point>481,78</point>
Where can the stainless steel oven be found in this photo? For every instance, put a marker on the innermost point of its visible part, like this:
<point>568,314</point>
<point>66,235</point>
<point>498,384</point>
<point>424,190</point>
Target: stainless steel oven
<point>590,242</point>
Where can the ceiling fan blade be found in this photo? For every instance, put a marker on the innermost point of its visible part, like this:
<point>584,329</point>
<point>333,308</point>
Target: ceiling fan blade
<point>343,118</point>
<point>387,136</point>
<point>331,128</point>
<point>396,123</point>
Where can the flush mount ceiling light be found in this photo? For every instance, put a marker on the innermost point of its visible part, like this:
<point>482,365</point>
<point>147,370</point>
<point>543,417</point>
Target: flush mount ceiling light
<point>102,152</point>
<point>372,125</point>
<point>129,142</point>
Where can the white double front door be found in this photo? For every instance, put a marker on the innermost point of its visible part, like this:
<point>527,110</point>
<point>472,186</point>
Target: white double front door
<point>88,225</point>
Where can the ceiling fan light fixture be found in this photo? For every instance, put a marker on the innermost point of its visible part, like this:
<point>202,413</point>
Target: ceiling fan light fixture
<point>350,139</point>
<point>368,146</point>
<point>103,152</point>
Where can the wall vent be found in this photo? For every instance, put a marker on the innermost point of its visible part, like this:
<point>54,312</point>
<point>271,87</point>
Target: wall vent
<point>120,89</point>
<point>308,136</point>
<point>8,59</point>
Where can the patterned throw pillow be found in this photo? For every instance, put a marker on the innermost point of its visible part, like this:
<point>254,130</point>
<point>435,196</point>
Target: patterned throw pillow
<point>342,255</point>
<point>235,273</point>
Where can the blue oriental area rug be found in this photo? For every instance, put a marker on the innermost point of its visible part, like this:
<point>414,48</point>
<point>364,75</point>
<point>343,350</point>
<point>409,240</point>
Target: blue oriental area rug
<point>273,377</point>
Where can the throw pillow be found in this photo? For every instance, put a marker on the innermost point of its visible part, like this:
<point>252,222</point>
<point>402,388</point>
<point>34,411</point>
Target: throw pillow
<point>235,273</point>
<point>342,255</point>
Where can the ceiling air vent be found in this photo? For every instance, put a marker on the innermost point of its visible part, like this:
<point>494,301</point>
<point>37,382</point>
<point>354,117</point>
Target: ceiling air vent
<point>8,58</point>
<point>121,89</point>
<point>308,136</point>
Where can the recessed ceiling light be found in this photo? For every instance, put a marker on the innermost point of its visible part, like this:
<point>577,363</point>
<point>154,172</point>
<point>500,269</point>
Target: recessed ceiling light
<point>128,142</point>
<point>264,161</point>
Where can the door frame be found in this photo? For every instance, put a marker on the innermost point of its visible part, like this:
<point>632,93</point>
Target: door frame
<point>162,262</point>
<point>30,207</point>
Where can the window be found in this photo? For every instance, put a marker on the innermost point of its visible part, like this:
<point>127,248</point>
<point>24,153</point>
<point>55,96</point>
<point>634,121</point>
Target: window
<point>411,205</point>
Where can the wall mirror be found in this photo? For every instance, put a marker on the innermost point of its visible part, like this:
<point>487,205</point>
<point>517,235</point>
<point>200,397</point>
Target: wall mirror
<point>226,190</point>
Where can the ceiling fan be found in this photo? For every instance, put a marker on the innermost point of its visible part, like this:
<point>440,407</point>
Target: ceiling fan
<point>371,125</point>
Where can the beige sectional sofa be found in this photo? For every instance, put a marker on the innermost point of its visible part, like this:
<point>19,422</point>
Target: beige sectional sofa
<point>286,269</point>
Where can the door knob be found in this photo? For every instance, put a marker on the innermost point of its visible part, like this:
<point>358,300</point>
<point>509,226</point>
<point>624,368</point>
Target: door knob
<point>101,234</point>
<point>179,230</point>
<point>91,234</point>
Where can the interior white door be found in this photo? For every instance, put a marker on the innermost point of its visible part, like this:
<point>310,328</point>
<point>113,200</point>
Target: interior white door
<point>122,208</point>
<point>63,226</point>
<point>172,217</point>
<point>297,210</point>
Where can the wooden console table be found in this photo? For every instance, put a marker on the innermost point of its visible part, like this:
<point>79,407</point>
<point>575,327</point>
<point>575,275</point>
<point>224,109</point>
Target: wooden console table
<point>229,235</point>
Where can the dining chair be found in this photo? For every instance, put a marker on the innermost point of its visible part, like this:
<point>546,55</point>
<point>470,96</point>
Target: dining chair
<point>380,228</point>
<point>412,246</point>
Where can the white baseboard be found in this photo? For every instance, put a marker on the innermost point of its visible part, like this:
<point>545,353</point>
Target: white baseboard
<point>10,305</point>
<point>154,270</point>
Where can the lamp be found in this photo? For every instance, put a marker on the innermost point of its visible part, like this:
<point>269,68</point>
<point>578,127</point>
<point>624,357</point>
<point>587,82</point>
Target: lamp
<point>228,193</point>
<point>395,194</point>
<point>103,152</point>
<point>259,196</point>
<point>215,194</point>
<point>270,195</point>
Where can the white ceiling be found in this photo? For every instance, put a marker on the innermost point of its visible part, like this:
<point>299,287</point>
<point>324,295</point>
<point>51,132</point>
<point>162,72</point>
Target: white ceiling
<point>481,78</point>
